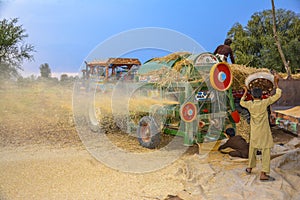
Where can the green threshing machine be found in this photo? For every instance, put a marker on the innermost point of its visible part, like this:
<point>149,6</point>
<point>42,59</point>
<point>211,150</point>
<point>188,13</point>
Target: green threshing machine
<point>191,95</point>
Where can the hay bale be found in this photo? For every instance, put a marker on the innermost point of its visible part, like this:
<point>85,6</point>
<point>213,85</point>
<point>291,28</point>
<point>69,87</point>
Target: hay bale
<point>241,72</point>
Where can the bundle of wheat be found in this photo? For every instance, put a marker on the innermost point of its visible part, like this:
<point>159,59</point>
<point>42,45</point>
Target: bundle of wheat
<point>172,56</point>
<point>182,63</point>
<point>164,76</point>
<point>241,72</point>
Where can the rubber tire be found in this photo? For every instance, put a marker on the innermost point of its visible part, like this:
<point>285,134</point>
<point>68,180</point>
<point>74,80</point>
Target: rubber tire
<point>147,123</point>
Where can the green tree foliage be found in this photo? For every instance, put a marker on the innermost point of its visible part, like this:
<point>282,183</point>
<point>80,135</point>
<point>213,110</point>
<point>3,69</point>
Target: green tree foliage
<point>254,44</point>
<point>13,50</point>
<point>45,70</point>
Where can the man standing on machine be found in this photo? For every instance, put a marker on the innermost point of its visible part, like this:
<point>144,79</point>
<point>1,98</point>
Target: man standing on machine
<point>224,50</point>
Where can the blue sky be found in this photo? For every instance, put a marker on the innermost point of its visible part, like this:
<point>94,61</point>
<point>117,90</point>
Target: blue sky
<point>65,32</point>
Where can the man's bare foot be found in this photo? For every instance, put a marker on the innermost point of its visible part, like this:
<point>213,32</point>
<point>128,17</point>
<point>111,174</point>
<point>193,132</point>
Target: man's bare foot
<point>265,177</point>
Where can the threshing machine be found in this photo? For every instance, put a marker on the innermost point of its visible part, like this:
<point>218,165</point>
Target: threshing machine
<point>182,94</point>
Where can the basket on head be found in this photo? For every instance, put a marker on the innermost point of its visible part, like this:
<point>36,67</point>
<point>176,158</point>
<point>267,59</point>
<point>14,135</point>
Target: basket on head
<point>262,80</point>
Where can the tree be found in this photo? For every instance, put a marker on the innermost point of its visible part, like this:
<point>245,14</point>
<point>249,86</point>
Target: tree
<point>45,70</point>
<point>254,44</point>
<point>13,50</point>
<point>285,63</point>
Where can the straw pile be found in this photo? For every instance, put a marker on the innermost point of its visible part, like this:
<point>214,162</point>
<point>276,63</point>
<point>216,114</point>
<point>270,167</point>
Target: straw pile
<point>172,56</point>
<point>241,72</point>
<point>164,76</point>
<point>183,62</point>
<point>294,76</point>
<point>180,57</point>
<point>243,129</point>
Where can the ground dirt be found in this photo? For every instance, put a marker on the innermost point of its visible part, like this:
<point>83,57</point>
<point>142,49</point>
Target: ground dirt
<point>42,157</point>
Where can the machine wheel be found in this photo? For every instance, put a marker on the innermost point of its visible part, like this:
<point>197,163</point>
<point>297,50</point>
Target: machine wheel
<point>148,133</point>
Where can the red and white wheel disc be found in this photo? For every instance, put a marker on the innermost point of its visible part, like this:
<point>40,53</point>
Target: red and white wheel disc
<point>221,76</point>
<point>188,112</point>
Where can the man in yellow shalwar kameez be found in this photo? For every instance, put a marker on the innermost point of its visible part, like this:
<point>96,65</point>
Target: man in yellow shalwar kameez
<point>260,134</point>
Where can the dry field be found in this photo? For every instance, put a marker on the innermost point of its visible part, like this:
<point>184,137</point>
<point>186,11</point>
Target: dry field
<point>42,157</point>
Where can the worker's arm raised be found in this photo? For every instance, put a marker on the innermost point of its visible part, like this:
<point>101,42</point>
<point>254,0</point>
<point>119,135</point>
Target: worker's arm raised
<point>245,92</point>
<point>277,95</point>
<point>243,102</point>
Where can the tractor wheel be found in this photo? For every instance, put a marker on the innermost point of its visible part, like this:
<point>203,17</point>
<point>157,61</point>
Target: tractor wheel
<point>148,133</point>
